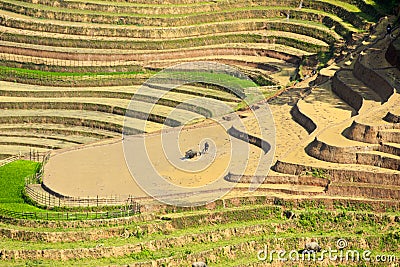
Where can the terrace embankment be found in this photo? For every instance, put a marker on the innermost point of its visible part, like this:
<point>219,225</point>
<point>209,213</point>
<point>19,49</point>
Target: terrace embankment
<point>248,225</point>
<point>336,161</point>
<point>393,53</point>
<point>85,44</point>
<point>358,150</point>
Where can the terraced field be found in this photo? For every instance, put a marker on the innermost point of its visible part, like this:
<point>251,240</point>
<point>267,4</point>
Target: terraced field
<point>228,236</point>
<point>354,142</point>
<point>55,112</point>
<point>227,232</point>
<point>72,75</point>
<point>337,131</point>
<point>79,44</point>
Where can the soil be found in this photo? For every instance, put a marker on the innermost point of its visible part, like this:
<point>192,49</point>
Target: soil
<point>91,170</point>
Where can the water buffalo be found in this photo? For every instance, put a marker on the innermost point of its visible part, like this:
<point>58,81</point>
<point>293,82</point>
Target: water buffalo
<point>191,154</point>
<point>313,247</point>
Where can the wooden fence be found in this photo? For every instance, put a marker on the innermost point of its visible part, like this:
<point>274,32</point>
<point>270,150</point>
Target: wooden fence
<point>33,179</point>
<point>33,189</point>
<point>9,160</point>
<point>47,199</point>
<point>33,155</point>
<point>44,196</point>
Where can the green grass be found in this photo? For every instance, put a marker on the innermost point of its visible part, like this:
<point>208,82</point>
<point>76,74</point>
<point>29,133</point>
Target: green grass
<point>209,77</point>
<point>347,6</point>
<point>180,250</point>
<point>63,74</point>
<point>311,222</point>
<point>327,226</point>
<point>12,182</point>
<point>13,204</point>
<point>12,179</point>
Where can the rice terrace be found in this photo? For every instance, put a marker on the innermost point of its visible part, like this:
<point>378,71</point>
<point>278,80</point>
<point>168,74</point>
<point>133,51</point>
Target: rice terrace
<point>199,133</point>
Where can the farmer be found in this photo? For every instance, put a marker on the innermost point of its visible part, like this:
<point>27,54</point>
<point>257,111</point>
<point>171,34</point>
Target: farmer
<point>206,145</point>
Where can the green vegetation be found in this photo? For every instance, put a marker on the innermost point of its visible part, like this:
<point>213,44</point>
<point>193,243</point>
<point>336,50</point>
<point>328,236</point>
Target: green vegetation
<point>14,203</point>
<point>241,33</point>
<point>206,230</point>
<point>184,42</point>
<point>48,78</point>
<point>254,98</point>
<point>12,182</point>
<point>196,15</point>
<point>210,232</point>
<point>319,173</point>
<point>231,83</point>
<point>210,77</point>
<point>36,73</point>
